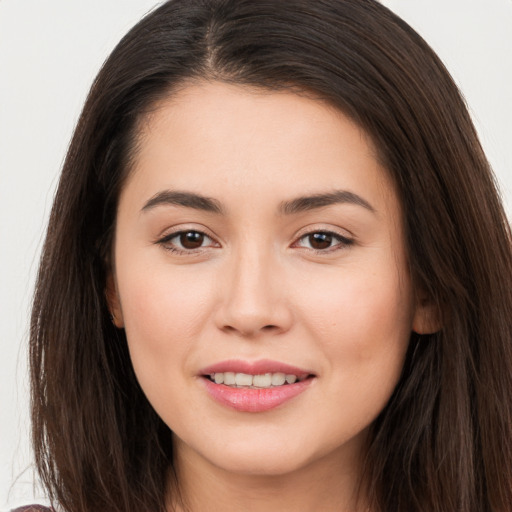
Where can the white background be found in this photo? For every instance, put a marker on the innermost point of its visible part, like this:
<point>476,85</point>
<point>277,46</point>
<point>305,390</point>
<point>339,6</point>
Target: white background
<point>50,52</point>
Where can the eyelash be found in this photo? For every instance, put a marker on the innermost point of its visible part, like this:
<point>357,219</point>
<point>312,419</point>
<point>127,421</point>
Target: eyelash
<point>167,245</point>
<point>342,242</point>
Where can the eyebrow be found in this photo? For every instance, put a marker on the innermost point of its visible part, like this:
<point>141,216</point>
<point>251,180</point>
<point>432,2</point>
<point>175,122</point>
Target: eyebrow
<point>186,199</point>
<point>298,205</point>
<point>306,203</point>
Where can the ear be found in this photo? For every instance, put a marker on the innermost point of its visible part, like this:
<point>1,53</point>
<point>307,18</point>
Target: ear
<point>113,302</point>
<point>427,316</point>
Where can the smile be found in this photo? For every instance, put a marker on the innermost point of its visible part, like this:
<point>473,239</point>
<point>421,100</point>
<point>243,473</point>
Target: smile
<point>254,387</point>
<point>262,381</point>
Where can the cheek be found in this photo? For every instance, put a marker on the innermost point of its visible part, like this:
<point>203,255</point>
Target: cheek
<point>163,311</point>
<point>363,321</point>
<point>363,326</point>
<point>358,302</point>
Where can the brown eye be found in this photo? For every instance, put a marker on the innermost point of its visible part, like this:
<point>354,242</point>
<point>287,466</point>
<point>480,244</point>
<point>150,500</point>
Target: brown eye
<point>320,240</point>
<point>185,242</point>
<point>191,239</point>
<point>324,241</point>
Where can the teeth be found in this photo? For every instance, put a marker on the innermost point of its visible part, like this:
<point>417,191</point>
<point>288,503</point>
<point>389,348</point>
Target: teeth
<point>229,378</point>
<point>266,380</point>
<point>242,379</point>
<point>262,381</point>
<point>278,379</point>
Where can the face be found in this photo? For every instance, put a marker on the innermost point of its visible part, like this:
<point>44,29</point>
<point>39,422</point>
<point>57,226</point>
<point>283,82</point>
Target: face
<point>261,277</point>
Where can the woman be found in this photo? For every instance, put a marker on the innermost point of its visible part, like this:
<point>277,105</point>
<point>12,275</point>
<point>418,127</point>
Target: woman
<point>277,274</point>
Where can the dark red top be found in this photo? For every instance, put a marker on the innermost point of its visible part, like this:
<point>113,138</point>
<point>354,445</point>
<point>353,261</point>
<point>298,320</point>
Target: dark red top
<point>32,508</point>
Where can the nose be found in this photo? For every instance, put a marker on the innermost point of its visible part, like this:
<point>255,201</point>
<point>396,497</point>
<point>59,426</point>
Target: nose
<point>253,296</point>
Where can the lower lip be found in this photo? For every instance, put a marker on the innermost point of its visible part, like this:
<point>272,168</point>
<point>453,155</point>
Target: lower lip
<point>255,400</point>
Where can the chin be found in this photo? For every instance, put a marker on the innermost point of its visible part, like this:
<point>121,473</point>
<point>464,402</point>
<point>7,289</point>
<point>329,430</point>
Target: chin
<point>256,455</point>
<point>267,455</point>
<point>261,463</point>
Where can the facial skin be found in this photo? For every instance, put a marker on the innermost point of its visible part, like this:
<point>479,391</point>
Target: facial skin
<point>254,288</point>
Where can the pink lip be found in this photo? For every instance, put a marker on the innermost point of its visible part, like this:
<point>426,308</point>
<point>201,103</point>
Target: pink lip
<point>254,368</point>
<point>254,400</point>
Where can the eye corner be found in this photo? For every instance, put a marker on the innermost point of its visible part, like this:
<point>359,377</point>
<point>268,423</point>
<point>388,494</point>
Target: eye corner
<point>323,241</point>
<point>176,241</point>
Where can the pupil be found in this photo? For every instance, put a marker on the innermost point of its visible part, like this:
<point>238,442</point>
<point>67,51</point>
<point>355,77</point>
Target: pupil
<point>320,240</point>
<point>191,240</point>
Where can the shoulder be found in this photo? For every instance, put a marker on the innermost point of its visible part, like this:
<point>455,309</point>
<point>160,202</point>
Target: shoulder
<point>32,508</point>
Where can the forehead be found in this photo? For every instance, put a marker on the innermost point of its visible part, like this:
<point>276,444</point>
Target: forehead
<point>209,135</point>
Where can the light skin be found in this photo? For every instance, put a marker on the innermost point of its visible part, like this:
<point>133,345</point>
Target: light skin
<point>294,253</point>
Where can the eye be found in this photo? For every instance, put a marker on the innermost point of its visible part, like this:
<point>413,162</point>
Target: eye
<point>323,241</point>
<point>186,241</point>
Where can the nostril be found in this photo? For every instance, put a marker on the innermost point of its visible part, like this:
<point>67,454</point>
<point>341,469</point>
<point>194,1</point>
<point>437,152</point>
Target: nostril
<point>248,331</point>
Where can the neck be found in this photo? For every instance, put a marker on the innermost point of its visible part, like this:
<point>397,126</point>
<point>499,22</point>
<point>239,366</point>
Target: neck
<point>328,484</point>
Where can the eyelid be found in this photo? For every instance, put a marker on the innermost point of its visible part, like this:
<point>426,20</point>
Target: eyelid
<point>344,239</point>
<point>325,228</point>
<point>170,233</point>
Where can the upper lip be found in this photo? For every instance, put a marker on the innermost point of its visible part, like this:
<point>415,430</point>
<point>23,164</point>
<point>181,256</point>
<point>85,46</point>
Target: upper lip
<point>259,367</point>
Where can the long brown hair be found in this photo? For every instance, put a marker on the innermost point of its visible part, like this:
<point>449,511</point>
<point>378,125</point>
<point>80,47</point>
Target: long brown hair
<point>444,441</point>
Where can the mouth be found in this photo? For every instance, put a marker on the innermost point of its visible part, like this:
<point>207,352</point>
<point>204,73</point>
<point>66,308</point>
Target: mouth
<point>255,387</point>
<point>260,381</point>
